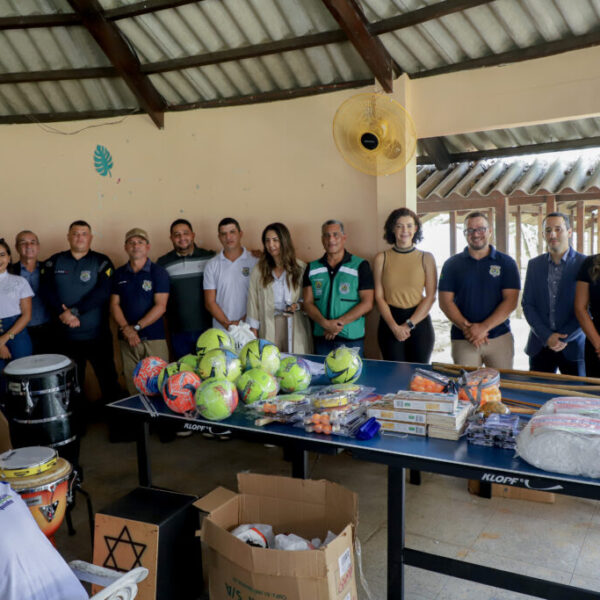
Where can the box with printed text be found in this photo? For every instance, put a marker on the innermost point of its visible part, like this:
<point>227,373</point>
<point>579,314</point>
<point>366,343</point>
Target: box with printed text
<point>304,507</point>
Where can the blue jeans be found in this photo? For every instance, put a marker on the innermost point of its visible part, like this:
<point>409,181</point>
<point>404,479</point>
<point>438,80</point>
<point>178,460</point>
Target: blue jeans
<point>184,342</point>
<point>20,346</point>
<point>323,347</point>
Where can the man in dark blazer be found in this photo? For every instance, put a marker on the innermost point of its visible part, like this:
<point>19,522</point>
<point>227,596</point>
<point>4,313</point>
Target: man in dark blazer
<point>556,340</point>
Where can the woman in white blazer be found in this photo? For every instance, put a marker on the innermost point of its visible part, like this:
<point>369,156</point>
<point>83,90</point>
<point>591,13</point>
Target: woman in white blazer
<point>274,309</point>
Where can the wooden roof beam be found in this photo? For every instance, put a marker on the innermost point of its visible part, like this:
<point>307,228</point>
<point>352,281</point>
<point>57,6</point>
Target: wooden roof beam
<point>121,56</point>
<point>355,25</point>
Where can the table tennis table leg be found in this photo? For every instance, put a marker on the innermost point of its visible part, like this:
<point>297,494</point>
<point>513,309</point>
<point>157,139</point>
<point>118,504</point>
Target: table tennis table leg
<point>143,458</point>
<point>395,538</point>
<point>299,460</point>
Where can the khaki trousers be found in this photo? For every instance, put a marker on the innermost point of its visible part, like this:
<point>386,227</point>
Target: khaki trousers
<point>131,356</point>
<point>498,353</point>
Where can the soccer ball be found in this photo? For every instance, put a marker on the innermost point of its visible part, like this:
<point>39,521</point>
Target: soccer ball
<point>191,360</point>
<point>223,364</point>
<point>260,354</point>
<point>213,338</point>
<point>168,370</point>
<point>144,373</point>
<point>256,384</point>
<point>179,391</point>
<point>342,365</point>
<point>216,399</point>
<point>293,374</point>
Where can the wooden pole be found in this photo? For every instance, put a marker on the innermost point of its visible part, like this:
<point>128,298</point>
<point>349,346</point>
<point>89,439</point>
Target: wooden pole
<point>550,204</point>
<point>580,210</point>
<point>452,232</point>
<point>540,231</point>
<point>502,225</point>
<point>518,237</point>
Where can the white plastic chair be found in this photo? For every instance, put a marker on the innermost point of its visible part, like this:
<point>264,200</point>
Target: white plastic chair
<point>117,586</point>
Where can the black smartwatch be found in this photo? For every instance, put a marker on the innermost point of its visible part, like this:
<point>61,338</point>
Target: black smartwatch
<point>410,324</point>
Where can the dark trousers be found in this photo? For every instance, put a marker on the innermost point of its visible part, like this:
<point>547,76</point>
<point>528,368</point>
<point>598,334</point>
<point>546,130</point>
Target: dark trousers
<point>548,361</point>
<point>592,361</point>
<point>184,342</point>
<point>323,347</point>
<point>417,348</point>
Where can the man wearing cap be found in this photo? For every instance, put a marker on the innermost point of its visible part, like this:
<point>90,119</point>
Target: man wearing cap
<point>140,291</point>
<point>186,314</point>
<point>76,287</point>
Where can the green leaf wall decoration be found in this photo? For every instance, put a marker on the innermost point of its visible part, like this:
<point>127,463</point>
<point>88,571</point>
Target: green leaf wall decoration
<point>103,161</point>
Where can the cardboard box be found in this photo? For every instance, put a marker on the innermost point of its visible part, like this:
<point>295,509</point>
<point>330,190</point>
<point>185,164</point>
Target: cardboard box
<point>516,493</point>
<point>398,427</point>
<point>306,508</point>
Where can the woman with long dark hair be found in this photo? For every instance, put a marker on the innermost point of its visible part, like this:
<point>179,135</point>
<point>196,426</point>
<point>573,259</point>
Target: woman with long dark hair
<point>405,287</point>
<point>274,295</point>
<point>587,311</point>
<point>15,311</point>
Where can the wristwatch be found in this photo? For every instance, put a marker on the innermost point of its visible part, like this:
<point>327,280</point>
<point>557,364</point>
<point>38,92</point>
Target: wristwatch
<point>137,327</point>
<point>410,324</point>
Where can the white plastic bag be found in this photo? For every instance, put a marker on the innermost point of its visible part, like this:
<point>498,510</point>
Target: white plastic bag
<point>292,541</point>
<point>255,534</point>
<point>241,334</point>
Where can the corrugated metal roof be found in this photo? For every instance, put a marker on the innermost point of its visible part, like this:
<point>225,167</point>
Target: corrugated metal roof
<point>552,174</point>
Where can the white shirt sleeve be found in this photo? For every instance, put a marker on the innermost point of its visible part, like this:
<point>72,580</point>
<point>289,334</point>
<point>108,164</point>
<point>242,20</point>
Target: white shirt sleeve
<point>210,274</point>
<point>25,290</point>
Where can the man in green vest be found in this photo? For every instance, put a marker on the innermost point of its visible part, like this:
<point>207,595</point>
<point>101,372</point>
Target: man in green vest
<point>338,293</point>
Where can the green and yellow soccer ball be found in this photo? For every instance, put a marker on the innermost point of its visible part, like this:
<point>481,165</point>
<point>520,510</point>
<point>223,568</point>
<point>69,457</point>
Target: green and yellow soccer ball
<point>222,364</point>
<point>216,399</point>
<point>293,374</point>
<point>260,354</point>
<point>255,385</point>
<point>343,365</point>
<point>213,338</point>
<point>191,360</point>
<point>171,369</point>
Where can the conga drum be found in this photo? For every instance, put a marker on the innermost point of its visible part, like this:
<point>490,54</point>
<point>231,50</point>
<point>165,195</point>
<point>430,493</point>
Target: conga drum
<point>41,478</point>
<point>38,404</point>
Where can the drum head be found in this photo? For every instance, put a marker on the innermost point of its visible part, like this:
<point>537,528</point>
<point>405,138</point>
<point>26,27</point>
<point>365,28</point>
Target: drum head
<point>22,462</point>
<point>53,476</point>
<point>38,363</point>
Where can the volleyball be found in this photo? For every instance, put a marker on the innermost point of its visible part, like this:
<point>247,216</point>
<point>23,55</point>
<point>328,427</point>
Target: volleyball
<point>144,372</point>
<point>179,391</point>
<point>255,385</point>
<point>191,360</point>
<point>343,365</point>
<point>213,338</point>
<point>260,354</point>
<point>216,399</point>
<point>168,370</point>
<point>223,364</point>
<point>293,374</point>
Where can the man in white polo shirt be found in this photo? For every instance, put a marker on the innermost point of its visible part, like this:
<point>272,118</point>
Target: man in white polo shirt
<point>226,277</point>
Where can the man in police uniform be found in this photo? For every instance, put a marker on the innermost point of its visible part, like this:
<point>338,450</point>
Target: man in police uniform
<point>338,293</point>
<point>478,290</point>
<point>76,287</point>
<point>29,267</point>
<point>140,290</point>
<point>186,313</point>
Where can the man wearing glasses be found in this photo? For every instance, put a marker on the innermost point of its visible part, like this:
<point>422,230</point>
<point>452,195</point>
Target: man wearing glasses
<point>28,267</point>
<point>478,290</point>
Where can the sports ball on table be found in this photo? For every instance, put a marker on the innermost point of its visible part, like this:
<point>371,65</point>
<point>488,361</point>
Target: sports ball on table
<point>261,354</point>
<point>222,364</point>
<point>179,391</point>
<point>343,365</point>
<point>293,374</point>
<point>216,399</point>
<point>191,360</point>
<point>255,385</point>
<point>171,369</point>
<point>145,373</point>
<point>213,338</point>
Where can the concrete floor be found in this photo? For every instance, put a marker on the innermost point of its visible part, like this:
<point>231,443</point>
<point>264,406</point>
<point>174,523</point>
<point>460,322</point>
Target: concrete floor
<point>560,542</point>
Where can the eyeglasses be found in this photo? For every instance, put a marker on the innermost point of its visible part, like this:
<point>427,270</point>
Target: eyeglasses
<point>474,230</point>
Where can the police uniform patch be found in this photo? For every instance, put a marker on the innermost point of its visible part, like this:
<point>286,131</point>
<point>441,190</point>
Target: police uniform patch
<point>318,284</point>
<point>246,271</point>
<point>85,276</point>
<point>344,287</point>
<point>147,285</point>
<point>495,270</point>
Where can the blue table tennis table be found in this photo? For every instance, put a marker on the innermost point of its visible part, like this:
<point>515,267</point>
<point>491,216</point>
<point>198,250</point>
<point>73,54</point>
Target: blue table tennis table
<point>458,459</point>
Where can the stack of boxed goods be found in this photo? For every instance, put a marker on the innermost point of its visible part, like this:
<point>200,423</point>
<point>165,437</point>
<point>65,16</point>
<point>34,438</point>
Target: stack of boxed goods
<point>431,407</point>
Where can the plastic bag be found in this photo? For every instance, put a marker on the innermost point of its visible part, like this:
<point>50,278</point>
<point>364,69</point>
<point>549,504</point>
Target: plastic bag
<point>291,541</point>
<point>255,534</point>
<point>590,407</point>
<point>563,443</point>
<point>241,334</point>
<point>480,386</point>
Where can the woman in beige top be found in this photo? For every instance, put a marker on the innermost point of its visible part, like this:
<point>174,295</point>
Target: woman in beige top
<point>274,295</point>
<point>405,287</point>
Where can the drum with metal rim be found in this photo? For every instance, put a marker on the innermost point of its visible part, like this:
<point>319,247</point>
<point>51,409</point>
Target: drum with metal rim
<point>46,493</point>
<point>24,462</point>
<point>40,390</point>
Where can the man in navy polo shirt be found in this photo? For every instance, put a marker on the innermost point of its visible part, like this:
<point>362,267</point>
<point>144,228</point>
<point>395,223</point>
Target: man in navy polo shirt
<point>478,290</point>
<point>138,300</point>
